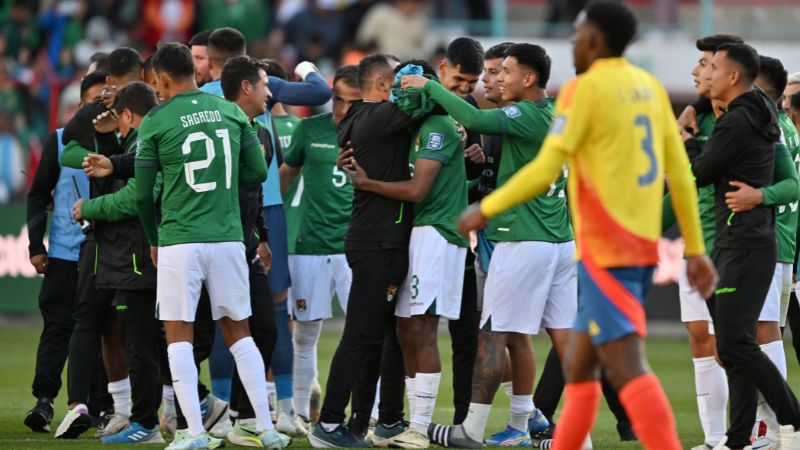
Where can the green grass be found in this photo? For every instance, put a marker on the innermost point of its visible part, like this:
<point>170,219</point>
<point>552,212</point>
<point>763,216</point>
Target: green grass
<point>669,358</point>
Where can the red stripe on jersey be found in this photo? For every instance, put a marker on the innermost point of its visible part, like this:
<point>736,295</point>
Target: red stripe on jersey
<point>603,239</point>
<point>567,93</point>
<point>619,295</point>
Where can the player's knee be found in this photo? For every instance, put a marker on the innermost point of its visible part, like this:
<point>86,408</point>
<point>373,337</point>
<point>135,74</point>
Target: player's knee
<point>306,334</point>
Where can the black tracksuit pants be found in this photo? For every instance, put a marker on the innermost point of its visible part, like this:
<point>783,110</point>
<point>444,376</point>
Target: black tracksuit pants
<point>57,300</point>
<point>377,274</point>
<point>141,335</point>
<point>745,277</point>
<point>464,342</point>
<point>91,318</point>
<point>264,333</point>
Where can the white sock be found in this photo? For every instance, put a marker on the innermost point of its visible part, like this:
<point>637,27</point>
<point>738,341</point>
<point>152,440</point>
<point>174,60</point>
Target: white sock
<point>306,336</point>
<point>475,423</point>
<point>508,388</point>
<point>184,382</point>
<point>775,353</point>
<point>285,405</point>
<point>374,414</point>
<point>711,386</point>
<point>168,399</point>
<point>521,409</point>
<point>251,371</point>
<point>121,393</point>
<point>426,386</point>
<point>410,395</point>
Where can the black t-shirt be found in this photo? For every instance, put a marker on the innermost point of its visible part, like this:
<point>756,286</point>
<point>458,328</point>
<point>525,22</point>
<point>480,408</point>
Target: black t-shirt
<point>380,134</point>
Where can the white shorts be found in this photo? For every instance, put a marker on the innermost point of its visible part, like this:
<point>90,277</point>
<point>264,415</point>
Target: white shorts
<point>531,285</point>
<point>773,309</point>
<point>315,278</point>
<point>184,268</point>
<point>435,272</point>
<point>693,305</point>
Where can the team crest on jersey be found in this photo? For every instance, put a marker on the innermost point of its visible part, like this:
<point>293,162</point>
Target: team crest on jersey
<point>512,112</point>
<point>435,141</point>
<point>559,123</point>
<point>301,305</point>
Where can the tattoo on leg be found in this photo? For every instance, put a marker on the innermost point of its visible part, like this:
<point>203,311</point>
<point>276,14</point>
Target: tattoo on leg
<point>489,366</point>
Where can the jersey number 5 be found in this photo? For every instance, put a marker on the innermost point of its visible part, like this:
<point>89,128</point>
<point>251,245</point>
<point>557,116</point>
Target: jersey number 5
<point>647,145</point>
<point>190,167</point>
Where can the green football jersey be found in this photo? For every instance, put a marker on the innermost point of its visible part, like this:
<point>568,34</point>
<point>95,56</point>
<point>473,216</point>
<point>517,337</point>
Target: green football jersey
<point>544,218</point>
<point>786,215</point>
<point>327,194</point>
<point>284,128</point>
<point>705,194</point>
<point>196,139</point>
<point>439,140</point>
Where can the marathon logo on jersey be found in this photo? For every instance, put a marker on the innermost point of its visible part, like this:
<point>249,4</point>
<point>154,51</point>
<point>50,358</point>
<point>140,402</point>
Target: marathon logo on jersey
<point>435,141</point>
<point>559,123</point>
<point>512,112</point>
<point>300,305</point>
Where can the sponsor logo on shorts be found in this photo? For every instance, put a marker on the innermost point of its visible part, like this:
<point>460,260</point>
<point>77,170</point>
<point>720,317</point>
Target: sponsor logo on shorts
<point>301,305</point>
<point>594,329</point>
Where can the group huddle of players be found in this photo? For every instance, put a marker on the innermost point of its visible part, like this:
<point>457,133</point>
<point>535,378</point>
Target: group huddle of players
<point>212,217</point>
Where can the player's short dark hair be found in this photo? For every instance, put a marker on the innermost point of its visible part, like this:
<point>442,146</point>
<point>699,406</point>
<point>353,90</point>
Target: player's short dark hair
<point>427,68</point>
<point>92,79</point>
<point>794,102</point>
<point>274,68</point>
<point>200,38</point>
<point>347,74</point>
<point>174,59</point>
<point>497,51</point>
<point>466,54</point>
<point>713,42</point>
<point>124,61</point>
<point>236,70</point>
<point>225,43</point>
<point>101,61</point>
<point>371,65</point>
<point>772,71</point>
<point>616,22</point>
<point>533,57</point>
<point>745,56</point>
<point>136,96</point>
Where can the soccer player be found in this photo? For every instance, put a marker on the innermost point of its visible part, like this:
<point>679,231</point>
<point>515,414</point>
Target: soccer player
<point>617,159</point>
<point>53,183</point>
<point>125,267</point>
<point>199,46</point>
<point>539,227</point>
<point>319,267</point>
<point>744,248</point>
<point>792,87</point>
<point>95,315</point>
<point>203,147</point>
<point>376,247</point>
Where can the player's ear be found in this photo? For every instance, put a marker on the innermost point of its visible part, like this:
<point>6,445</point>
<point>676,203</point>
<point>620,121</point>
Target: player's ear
<point>530,79</point>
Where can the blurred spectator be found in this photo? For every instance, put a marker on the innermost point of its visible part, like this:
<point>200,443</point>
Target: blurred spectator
<point>167,20</point>
<point>315,32</point>
<point>98,38</point>
<point>251,17</point>
<point>19,28</point>
<point>12,178</point>
<point>399,29</point>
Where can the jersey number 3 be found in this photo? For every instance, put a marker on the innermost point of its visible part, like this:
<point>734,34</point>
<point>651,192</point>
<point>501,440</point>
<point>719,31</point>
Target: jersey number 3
<point>647,145</point>
<point>190,167</point>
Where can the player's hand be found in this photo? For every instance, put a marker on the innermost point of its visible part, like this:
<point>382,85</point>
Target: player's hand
<point>688,119</point>
<point>702,274</point>
<point>415,81</point>
<point>105,122</point>
<point>345,157</point>
<point>462,132</point>
<point>358,177</point>
<point>264,255</point>
<point>744,198</point>
<point>154,255</point>
<point>98,166</point>
<point>685,135</point>
<point>109,93</point>
<point>471,219</point>
<point>475,154</point>
<point>76,210</point>
<point>39,262</point>
<point>304,68</point>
